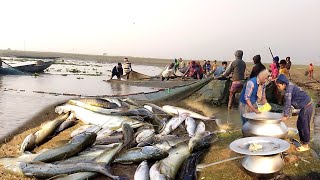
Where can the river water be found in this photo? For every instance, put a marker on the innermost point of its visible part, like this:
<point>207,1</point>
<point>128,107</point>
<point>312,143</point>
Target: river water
<point>21,96</point>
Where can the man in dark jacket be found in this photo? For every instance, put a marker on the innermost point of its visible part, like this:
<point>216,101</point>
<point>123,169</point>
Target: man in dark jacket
<point>258,66</point>
<point>237,68</point>
<point>117,71</point>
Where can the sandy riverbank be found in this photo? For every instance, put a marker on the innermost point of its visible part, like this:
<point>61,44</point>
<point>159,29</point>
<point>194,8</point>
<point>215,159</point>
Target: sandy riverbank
<point>223,171</point>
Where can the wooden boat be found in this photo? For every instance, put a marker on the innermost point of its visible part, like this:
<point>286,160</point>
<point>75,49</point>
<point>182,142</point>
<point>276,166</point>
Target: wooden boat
<point>38,67</point>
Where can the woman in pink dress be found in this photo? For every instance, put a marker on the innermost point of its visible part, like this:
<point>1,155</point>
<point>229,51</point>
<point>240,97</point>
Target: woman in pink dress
<point>274,68</point>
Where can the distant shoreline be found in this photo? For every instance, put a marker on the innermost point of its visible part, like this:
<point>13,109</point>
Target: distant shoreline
<point>86,57</point>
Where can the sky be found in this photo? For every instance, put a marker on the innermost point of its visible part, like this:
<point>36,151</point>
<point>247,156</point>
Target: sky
<point>191,29</point>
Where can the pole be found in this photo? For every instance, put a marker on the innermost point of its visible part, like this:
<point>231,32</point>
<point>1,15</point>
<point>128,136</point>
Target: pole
<point>271,53</point>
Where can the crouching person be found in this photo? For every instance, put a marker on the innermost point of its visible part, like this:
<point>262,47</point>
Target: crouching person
<point>168,72</point>
<point>299,99</point>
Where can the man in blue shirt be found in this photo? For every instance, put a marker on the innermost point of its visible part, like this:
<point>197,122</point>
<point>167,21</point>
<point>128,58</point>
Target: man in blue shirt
<point>299,99</point>
<point>253,92</point>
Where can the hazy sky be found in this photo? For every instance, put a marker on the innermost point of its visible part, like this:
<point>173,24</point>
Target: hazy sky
<point>191,29</point>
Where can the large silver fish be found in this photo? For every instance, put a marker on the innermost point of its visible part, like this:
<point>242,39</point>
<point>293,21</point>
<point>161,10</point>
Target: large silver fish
<point>139,154</point>
<point>154,172</point>
<point>201,127</point>
<point>146,115</point>
<point>142,172</point>
<point>191,126</point>
<point>98,102</point>
<point>49,128</point>
<point>202,141</point>
<point>170,165</point>
<point>173,123</point>
<point>178,110</point>
<point>75,145</point>
<point>188,170</point>
<point>47,170</point>
<point>106,157</point>
<point>170,142</point>
<point>103,120</point>
<point>93,108</point>
<point>29,143</point>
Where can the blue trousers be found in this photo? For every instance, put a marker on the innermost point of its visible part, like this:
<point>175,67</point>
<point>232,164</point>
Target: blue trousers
<point>303,123</point>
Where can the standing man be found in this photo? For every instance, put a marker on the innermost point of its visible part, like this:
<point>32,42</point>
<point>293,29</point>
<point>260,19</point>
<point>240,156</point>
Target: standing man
<point>127,66</point>
<point>237,68</point>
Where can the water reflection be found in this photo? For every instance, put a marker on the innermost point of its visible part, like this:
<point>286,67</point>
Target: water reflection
<point>116,87</point>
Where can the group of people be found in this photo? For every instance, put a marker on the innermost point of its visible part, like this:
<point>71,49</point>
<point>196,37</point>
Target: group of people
<point>253,91</point>
<point>193,70</point>
<point>118,70</point>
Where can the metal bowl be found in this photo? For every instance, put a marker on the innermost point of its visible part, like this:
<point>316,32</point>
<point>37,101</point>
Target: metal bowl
<point>264,124</point>
<point>263,164</point>
<point>265,117</point>
<point>270,146</point>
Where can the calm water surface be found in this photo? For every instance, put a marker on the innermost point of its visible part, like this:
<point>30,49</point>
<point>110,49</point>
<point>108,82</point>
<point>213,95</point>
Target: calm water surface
<point>19,101</point>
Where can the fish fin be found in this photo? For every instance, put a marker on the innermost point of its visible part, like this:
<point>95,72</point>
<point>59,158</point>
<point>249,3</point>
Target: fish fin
<point>57,176</point>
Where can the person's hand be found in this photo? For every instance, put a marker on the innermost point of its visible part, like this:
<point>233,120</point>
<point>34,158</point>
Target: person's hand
<point>256,111</point>
<point>284,118</point>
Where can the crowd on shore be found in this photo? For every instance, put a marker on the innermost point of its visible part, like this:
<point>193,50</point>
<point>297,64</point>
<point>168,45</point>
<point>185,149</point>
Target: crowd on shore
<point>252,89</point>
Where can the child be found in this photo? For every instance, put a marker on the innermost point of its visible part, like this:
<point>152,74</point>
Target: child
<point>299,99</point>
<point>283,69</point>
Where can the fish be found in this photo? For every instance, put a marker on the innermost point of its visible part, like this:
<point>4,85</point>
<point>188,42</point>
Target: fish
<point>201,127</point>
<point>10,164</point>
<point>29,143</point>
<point>178,110</point>
<point>105,157</point>
<point>202,141</point>
<point>75,145</point>
<point>81,129</point>
<point>93,108</point>
<point>142,172</point>
<point>87,155</point>
<point>191,126</point>
<point>146,115</point>
<point>65,125</point>
<point>49,128</point>
<point>156,109</point>
<point>97,102</point>
<point>154,172</point>
<point>170,142</point>
<point>114,100</point>
<point>47,170</point>
<point>139,154</point>
<point>103,120</point>
<point>144,134</point>
<point>109,140</point>
<point>188,170</point>
<point>170,165</point>
<point>173,123</point>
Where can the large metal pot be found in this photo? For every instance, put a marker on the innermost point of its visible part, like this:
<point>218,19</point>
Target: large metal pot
<point>264,124</point>
<point>263,164</point>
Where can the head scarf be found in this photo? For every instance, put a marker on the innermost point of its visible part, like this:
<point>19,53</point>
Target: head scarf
<point>256,59</point>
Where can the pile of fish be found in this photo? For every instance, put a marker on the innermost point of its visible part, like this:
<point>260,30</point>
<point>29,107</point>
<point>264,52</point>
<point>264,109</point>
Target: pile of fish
<point>116,131</point>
